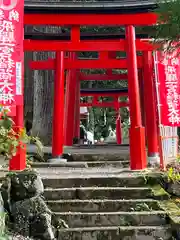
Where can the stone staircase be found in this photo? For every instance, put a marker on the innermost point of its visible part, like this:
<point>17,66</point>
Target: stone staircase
<point>104,201</point>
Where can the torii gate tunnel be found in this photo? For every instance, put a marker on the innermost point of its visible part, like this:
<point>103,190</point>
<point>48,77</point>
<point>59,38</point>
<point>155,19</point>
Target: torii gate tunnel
<point>115,103</point>
<point>108,60</point>
<point>139,74</point>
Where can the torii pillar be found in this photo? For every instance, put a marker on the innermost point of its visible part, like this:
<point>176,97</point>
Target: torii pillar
<point>77,109</point>
<point>118,122</point>
<point>150,109</point>
<point>70,104</point>
<point>118,128</point>
<point>137,131</point>
<point>58,108</point>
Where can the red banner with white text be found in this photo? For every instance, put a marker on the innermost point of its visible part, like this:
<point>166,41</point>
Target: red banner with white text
<point>169,88</point>
<point>11,54</point>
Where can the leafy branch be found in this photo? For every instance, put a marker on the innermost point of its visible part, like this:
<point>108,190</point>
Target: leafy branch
<point>12,137</point>
<point>168,27</point>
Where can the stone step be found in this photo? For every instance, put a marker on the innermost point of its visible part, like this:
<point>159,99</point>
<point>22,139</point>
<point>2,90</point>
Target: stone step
<point>103,205</point>
<point>98,193</point>
<point>78,219</point>
<point>119,164</point>
<point>116,233</point>
<point>97,155</point>
<point>59,164</point>
<point>104,155</point>
<point>100,181</point>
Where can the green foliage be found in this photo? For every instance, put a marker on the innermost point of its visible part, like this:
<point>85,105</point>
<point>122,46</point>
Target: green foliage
<point>103,119</point>
<point>12,137</point>
<point>3,216</point>
<point>168,29</point>
<point>9,139</point>
<point>173,175</point>
<point>173,171</point>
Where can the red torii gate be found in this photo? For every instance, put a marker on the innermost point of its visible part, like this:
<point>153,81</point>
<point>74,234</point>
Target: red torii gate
<point>115,103</point>
<point>69,63</point>
<point>84,45</point>
<point>130,45</point>
<point>90,19</point>
<point>95,64</point>
<point>69,108</point>
<point>84,64</point>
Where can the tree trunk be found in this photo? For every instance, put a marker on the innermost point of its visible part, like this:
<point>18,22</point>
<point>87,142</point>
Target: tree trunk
<point>43,102</point>
<point>28,88</point>
<point>43,94</point>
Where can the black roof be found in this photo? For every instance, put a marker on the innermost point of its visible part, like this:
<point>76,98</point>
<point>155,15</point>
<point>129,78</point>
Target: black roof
<point>90,6</point>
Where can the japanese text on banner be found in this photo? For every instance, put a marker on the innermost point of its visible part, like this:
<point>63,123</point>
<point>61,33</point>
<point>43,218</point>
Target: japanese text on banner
<point>170,90</point>
<point>11,37</point>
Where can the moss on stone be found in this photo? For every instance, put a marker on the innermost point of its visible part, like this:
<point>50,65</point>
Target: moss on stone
<point>172,210</point>
<point>151,177</point>
<point>170,207</point>
<point>158,191</point>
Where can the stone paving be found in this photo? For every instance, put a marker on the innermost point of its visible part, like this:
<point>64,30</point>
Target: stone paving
<point>99,149</point>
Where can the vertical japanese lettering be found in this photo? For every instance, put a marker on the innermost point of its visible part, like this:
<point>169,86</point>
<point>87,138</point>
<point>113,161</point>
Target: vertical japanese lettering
<point>170,88</point>
<point>10,37</point>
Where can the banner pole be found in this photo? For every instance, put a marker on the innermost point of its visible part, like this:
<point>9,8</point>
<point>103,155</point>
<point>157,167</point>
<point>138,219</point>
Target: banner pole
<point>157,83</point>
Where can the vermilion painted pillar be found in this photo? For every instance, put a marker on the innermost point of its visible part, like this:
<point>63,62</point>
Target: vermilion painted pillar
<point>111,55</point>
<point>58,110</point>
<point>77,109</point>
<point>118,129</point>
<point>118,121</point>
<point>142,96</point>
<point>105,56</point>
<point>150,108</point>
<point>19,118</point>
<point>141,92</point>
<point>137,131</point>
<point>75,37</point>
<point>70,105</point>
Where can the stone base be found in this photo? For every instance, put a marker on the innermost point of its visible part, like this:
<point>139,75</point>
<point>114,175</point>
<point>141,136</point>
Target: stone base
<point>153,161</point>
<point>57,160</point>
